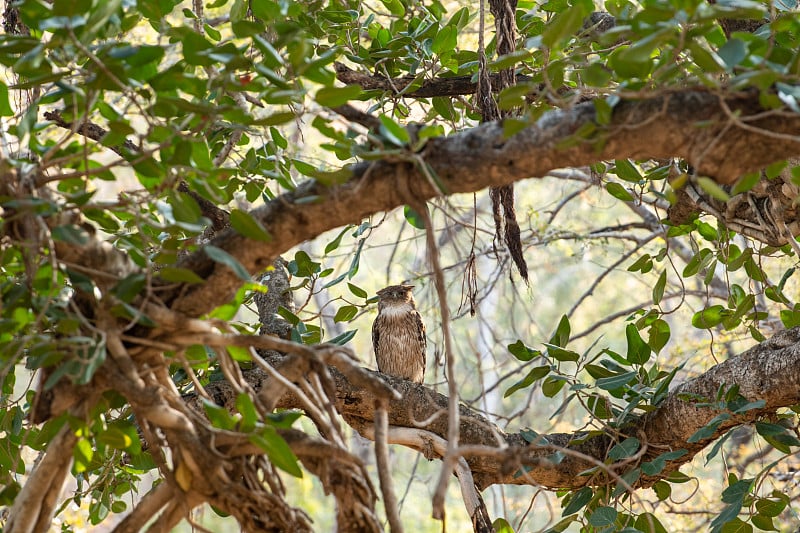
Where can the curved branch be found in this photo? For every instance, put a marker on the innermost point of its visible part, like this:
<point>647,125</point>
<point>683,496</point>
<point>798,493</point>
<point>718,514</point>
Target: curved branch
<point>720,135</point>
<point>35,505</point>
<point>768,371</point>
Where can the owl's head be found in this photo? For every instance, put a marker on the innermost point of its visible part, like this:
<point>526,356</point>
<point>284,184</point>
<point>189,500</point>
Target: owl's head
<point>396,294</point>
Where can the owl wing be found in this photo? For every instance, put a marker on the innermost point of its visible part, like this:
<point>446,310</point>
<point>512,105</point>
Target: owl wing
<point>376,334</point>
<point>421,337</point>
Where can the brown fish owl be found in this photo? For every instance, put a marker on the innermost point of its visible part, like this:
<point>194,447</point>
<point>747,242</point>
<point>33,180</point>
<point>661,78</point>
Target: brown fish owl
<point>398,334</point>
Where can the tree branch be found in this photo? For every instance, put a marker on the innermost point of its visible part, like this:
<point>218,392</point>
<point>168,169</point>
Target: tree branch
<point>723,135</point>
<point>35,505</point>
<point>768,371</point>
<point>453,86</point>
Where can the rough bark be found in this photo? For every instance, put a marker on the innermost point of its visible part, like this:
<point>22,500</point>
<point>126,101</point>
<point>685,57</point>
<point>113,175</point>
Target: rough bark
<point>769,371</point>
<point>724,136</point>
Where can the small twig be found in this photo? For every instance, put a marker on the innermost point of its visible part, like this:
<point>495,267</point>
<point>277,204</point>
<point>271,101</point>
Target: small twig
<point>90,130</point>
<point>623,258</point>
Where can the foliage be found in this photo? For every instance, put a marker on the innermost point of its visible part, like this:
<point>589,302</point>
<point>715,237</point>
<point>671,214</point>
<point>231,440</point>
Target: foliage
<point>125,119</point>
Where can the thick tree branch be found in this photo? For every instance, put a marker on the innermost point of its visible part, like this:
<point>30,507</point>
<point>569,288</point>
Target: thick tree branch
<point>35,505</point>
<point>768,371</point>
<point>723,135</point>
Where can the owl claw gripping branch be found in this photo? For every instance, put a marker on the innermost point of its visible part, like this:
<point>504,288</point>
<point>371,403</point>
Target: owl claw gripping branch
<point>398,334</point>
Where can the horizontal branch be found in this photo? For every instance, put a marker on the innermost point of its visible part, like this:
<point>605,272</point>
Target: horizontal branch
<point>452,86</point>
<point>723,136</point>
<point>768,371</point>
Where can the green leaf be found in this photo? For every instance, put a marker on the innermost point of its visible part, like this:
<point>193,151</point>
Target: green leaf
<point>357,291</point>
<point>737,491</point>
<point>560,354</point>
<point>552,385</point>
<point>303,266</point>
<point>712,187</point>
<point>413,217</point>
<point>708,431</point>
<point>116,438</point>
<point>265,9</point>
<point>346,313</point>
<point>9,493</point>
<point>275,119</point>
<point>619,192</point>
<point>708,231</point>
<point>643,264</point>
<point>563,331</point>
<point>745,183</point>
<point>790,317</point>
<point>395,7</point>
<point>179,275</point>
<point>507,61</point>
<point>445,40</point>
<point>246,224</point>
<point>603,517</point>
<point>698,261</point>
<point>393,132</point>
<point>763,523</point>
<point>535,374</point>
<point>659,335</point>
<point>709,317</point>
<point>626,448</point>
<point>334,244</point>
<point>656,466</point>
<point>246,407</point>
<point>336,96</point>
<point>638,350</point>
<point>218,416</point>
<point>778,436</point>
<point>444,106</point>
<point>627,171</point>
<point>615,382</point>
<point>501,525</point>
<point>771,508</point>
<point>658,288</point>
<point>663,491</point>
<point>708,61</point>
<point>239,353</point>
<point>221,256</point>
<point>184,207</point>
<point>5,104</point>
<point>647,522</point>
<point>566,23</point>
<point>733,52</point>
<point>82,455</point>
<point>277,450</point>
<point>577,500</point>
<point>522,352</point>
<point>343,338</point>
<point>629,62</point>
